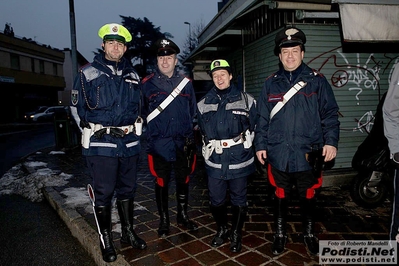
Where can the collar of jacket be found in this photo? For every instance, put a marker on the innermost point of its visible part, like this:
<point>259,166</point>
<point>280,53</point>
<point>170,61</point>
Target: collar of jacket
<point>303,72</point>
<point>163,76</point>
<point>293,74</point>
<point>223,92</point>
<point>102,63</point>
<point>233,93</point>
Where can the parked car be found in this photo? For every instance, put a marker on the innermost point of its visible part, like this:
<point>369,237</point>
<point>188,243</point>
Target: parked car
<point>49,113</point>
<point>29,115</point>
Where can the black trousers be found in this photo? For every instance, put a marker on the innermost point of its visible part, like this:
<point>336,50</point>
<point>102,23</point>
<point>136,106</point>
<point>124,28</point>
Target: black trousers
<point>395,208</point>
<point>113,175</point>
<point>162,169</point>
<point>305,182</point>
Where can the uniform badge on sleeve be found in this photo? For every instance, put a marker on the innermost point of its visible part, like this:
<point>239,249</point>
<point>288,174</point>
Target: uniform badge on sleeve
<point>74,97</point>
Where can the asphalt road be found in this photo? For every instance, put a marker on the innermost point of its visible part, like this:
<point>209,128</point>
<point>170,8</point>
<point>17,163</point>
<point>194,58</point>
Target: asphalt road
<point>33,233</point>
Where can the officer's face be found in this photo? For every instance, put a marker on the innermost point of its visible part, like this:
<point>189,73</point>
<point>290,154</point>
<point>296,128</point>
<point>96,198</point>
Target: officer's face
<point>291,57</point>
<point>166,64</point>
<point>221,79</point>
<point>114,50</point>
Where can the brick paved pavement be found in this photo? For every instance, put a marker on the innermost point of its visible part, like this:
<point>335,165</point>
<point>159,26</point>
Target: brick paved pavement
<point>337,218</point>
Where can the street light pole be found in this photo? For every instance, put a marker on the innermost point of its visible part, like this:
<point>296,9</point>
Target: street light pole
<point>73,38</point>
<point>189,34</point>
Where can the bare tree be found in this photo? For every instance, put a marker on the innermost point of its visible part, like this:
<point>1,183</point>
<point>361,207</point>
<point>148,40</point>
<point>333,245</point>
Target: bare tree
<point>191,43</point>
<point>144,35</point>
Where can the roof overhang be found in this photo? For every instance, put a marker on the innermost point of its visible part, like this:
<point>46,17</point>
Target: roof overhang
<point>366,21</point>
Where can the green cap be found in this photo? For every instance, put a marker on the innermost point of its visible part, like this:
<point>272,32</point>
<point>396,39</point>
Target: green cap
<point>220,64</point>
<point>114,31</point>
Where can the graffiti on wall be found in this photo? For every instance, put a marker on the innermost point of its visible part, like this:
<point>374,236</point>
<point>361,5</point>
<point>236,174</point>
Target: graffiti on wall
<point>359,76</point>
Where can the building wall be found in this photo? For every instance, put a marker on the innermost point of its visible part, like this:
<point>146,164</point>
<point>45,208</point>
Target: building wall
<point>28,86</point>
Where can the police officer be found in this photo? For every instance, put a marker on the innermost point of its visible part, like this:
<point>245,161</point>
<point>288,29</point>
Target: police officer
<point>391,130</point>
<point>226,117</point>
<point>107,98</point>
<point>298,121</point>
<point>170,105</point>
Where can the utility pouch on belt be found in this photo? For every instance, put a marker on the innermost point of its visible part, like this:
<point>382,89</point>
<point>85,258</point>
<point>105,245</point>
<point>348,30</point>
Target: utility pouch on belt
<point>316,161</point>
<point>218,147</point>
<point>248,139</point>
<point>207,150</point>
<point>138,125</point>
<point>86,134</point>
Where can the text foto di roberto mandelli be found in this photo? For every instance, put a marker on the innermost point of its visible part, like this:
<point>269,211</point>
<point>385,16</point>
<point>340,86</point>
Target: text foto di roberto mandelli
<point>355,250</point>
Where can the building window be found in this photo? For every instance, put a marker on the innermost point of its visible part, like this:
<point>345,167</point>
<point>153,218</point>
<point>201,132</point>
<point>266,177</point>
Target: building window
<point>32,62</point>
<point>55,69</point>
<point>15,61</point>
<point>41,66</point>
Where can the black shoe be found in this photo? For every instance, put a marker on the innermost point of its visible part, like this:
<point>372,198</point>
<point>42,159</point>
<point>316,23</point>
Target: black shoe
<point>186,223</point>
<point>107,247</point>
<point>221,235</point>
<point>311,243</point>
<point>279,242</point>
<point>235,239</point>
<point>163,229</point>
<point>130,237</point>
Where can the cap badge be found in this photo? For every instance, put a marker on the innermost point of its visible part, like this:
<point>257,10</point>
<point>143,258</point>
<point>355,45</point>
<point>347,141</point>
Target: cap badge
<point>114,29</point>
<point>290,32</point>
<point>217,63</point>
<point>164,43</point>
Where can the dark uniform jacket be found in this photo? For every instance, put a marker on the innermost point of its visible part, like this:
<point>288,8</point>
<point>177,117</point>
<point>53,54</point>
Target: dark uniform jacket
<point>226,116</point>
<point>309,118</point>
<point>102,97</point>
<point>169,130</point>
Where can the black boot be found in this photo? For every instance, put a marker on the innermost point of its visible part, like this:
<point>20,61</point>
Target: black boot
<point>161,195</point>
<point>103,217</point>
<point>239,214</point>
<point>219,213</point>
<point>182,203</point>
<point>308,208</point>
<point>280,235</point>
<point>125,211</point>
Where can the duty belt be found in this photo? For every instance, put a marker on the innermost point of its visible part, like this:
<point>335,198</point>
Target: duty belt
<point>219,145</point>
<point>226,143</point>
<point>125,129</point>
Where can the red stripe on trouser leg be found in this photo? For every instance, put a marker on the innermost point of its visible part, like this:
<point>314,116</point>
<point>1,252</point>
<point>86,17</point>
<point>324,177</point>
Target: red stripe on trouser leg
<point>192,169</point>
<point>159,180</point>
<point>310,192</point>
<point>279,191</point>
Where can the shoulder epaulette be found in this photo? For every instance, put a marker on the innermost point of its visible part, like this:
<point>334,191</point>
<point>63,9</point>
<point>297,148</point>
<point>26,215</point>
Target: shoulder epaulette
<point>85,66</point>
<point>188,78</point>
<point>272,75</point>
<point>144,80</point>
<point>317,73</point>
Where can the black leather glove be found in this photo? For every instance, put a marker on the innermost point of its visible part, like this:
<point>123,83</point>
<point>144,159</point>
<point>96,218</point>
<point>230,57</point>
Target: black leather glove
<point>316,161</point>
<point>190,148</point>
<point>84,124</point>
<point>117,132</point>
<point>395,159</point>
<point>100,133</point>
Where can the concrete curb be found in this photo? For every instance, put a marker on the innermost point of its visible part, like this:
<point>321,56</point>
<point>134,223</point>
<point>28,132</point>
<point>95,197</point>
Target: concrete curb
<point>338,178</point>
<point>87,236</point>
